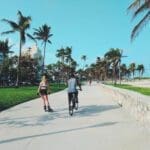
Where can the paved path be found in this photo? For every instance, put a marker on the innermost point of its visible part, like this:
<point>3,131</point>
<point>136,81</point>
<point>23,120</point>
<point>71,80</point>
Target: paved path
<point>99,124</point>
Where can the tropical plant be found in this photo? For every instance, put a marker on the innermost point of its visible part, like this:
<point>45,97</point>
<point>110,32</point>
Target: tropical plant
<point>43,34</point>
<point>4,66</point>
<point>123,70</point>
<point>132,68</point>
<point>114,57</point>
<point>61,54</point>
<point>84,57</point>
<point>5,48</point>
<point>21,26</point>
<point>138,7</point>
<point>68,53</point>
<point>140,69</point>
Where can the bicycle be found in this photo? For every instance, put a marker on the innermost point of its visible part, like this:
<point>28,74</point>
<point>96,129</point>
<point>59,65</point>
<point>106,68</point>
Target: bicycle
<point>73,103</point>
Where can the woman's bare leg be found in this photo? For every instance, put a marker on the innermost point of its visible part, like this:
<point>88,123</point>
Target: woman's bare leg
<point>44,102</point>
<point>48,104</point>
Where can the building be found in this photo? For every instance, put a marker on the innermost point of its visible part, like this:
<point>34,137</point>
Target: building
<point>34,52</point>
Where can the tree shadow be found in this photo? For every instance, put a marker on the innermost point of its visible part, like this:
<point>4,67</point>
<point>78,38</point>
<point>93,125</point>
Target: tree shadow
<point>93,110</point>
<point>57,132</point>
<point>44,119</point>
<point>18,121</point>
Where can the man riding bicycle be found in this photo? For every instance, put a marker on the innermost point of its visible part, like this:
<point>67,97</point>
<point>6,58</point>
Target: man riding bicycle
<point>73,82</point>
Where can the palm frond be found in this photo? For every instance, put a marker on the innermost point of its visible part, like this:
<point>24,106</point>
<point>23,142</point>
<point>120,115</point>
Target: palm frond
<point>140,25</point>
<point>134,5</point>
<point>11,46</point>
<point>142,8</point>
<point>23,21</point>
<point>19,14</point>
<point>7,32</point>
<point>50,35</point>
<point>49,41</point>
<point>13,24</point>
<point>31,37</point>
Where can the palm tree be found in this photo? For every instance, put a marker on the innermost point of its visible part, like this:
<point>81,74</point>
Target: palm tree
<point>61,54</point>
<point>114,57</point>
<point>43,33</point>
<point>132,68</point>
<point>83,57</point>
<point>140,69</point>
<point>5,48</point>
<point>68,57</point>
<point>68,53</point>
<point>122,56</point>
<point>104,68</point>
<point>138,7</point>
<point>21,26</point>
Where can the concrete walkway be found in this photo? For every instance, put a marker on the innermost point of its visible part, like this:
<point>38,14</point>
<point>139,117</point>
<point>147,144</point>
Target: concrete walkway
<point>99,124</point>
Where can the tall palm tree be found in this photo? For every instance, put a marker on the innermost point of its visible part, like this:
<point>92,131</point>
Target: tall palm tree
<point>5,48</point>
<point>103,67</point>
<point>114,57</point>
<point>43,34</point>
<point>138,7</point>
<point>132,68</point>
<point>123,69</point>
<point>61,54</point>
<point>140,69</point>
<point>68,56</point>
<point>84,57</point>
<point>20,26</point>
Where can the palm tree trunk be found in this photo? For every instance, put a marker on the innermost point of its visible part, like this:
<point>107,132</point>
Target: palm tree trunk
<point>114,75</point>
<point>119,73</point>
<point>18,68</point>
<point>44,58</point>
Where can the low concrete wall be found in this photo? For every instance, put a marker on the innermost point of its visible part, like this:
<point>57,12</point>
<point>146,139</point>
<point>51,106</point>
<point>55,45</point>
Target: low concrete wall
<point>136,104</point>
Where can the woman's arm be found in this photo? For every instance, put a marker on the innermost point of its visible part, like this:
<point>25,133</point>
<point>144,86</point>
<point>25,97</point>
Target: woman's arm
<point>38,91</point>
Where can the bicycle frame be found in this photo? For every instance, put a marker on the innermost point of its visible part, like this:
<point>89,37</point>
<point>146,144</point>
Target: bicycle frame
<point>73,102</point>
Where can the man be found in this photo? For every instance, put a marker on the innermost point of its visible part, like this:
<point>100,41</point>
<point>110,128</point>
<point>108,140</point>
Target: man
<point>73,82</point>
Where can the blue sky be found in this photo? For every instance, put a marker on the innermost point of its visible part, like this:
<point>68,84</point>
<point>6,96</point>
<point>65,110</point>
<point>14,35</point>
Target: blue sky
<point>91,27</point>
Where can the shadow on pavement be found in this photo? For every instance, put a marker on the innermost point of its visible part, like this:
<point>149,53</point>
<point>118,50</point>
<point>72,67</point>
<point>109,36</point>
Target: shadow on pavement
<point>57,132</point>
<point>92,110</point>
<point>44,119</point>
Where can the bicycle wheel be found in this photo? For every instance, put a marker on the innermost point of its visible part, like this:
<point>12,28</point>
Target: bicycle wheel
<point>76,106</point>
<point>71,107</point>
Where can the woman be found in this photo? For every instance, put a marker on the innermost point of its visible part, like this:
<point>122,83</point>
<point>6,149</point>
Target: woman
<point>43,90</point>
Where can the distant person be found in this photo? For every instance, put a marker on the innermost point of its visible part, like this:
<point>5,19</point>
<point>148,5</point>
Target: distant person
<point>90,80</point>
<point>43,91</point>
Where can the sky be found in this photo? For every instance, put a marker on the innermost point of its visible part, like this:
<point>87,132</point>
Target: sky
<point>90,27</point>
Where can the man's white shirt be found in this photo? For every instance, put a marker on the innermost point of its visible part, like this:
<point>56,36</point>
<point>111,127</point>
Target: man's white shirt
<point>72,83</point>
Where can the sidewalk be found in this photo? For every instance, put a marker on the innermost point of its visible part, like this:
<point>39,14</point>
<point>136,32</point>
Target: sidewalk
<point>99,124</point>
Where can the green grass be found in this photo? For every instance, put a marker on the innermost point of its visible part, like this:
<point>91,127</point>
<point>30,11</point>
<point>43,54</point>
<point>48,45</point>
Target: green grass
<point>142,90</point>
<point>13,96</point>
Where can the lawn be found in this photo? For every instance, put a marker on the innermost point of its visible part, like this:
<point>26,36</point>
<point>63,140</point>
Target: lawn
<point>13,96</point>
<point>142,90</point>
